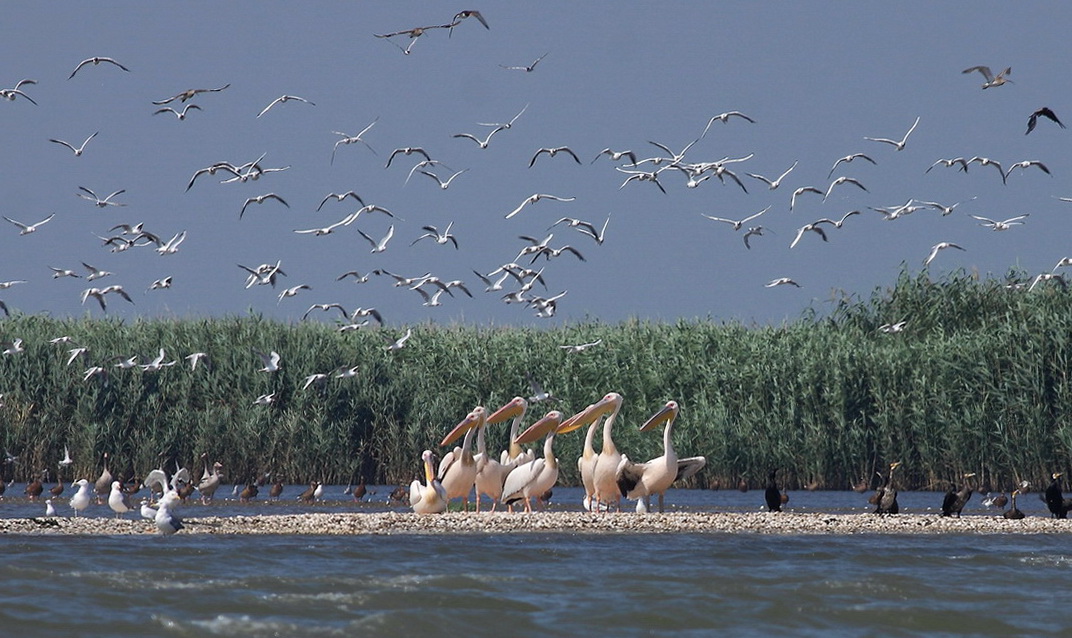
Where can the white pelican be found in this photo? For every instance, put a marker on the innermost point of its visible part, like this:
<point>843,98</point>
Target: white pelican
<point>586,465</point>
<point>640,480</point>
<point>490,473</point>
<point>458,470</point>
<point>515,409</point>
<point>609,461</point>
<point>429,498</point>
<point>539,475</point>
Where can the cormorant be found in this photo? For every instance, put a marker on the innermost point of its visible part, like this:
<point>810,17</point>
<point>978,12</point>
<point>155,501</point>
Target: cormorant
<point>772,495</point>
<point>1013,513</point>
<point>887,494</point>
<point>955,500</point>
<point>1055,501</point>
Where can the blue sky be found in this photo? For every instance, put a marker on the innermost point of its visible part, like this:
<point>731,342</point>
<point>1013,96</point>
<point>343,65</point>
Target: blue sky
<point>816,78</point>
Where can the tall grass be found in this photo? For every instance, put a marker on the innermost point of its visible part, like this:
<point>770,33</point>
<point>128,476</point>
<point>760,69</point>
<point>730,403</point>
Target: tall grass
<point>978,381</point>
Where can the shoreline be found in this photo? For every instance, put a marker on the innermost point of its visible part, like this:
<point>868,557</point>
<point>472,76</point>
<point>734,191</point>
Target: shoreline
<point>384,524</point>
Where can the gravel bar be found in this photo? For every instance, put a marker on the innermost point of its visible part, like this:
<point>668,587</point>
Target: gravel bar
<point>552,522</point>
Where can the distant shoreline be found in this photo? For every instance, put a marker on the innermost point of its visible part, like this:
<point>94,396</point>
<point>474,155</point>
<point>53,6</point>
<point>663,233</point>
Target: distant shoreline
<point>787,523</point>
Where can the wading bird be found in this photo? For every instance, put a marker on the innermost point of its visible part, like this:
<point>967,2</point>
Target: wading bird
<point>991,79</point>
<point>638,481</point>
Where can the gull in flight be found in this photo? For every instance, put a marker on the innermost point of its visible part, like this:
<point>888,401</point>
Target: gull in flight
<point>724,118</point>
<point>1025,164</point>
<point>400,343</point>
<point>284,98</point>
<point>641,176</point>
<point>949,163</point>
<point>842,180</point>
<point>325,307</point>
<point>172,245</point>
<point>440,238</point>
<point>188,94</point>
<point>444,185</point>
<point>505,124</point>
<point>801,191</point>
<point>292,291</point>
<point>271,361</point>
<point>350,139</point>
<point>76,150</point>
<point>179,115</point>
<point>379,246</point>
<point>95,61</point>
<point>11,94</point>
<point>407,150</point>
<point>259,199</point>
<point>100,203</point>
<point>899,145</point>
<point>157,364</point>
<point>753,231</point>
<point>893,328</point>
<point>551,152</point>
<point>343,372</point>
<point>197,357</point>
<point>461,15</point>
<point>814,227</point>
<point>1048,276</point>
<point>482,143</point>
<point>63,272</point>
<point>265,399</point>
<point>839,222</point>
<point>737,224</point>
<point>586,228</point>
<point>13,347</point>
<point>75,353</point>
<point>773,184</point>
<point>580,347</point>
<point>991,79</point>
<point>1004,224</point>
<point>358,277</point>
<point>339,197</point>
<point>946,210</point>
<point>30,228</point>
<point>528,69</point>
<point>326,230</point>
<point>617,156</point>
<point>849,158</point>
<point>940,246</point>
<point>433,299</point>
<point>318,378</point>
<point>986,161</point>
<point>781,281</point>
<point>99,293</point>
<point>1043,112</point>
<point>95,273</point>
<point>264,274</point>
<point>532,199</point>
<point>160,284</point>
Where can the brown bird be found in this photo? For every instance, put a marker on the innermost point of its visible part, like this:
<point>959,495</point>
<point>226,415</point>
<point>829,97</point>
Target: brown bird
<point>103,486</point>
<point>35,487</point>
<point>248,492</point>
<point>277,489</point>
<point>360,490</point>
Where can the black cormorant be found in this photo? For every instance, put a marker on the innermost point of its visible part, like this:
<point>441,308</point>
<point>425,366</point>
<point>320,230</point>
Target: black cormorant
<point>1013,513</point>
<point>772,495</point>
<point>1054,499</point>
<point>955,500</point>
<point>887,501</point>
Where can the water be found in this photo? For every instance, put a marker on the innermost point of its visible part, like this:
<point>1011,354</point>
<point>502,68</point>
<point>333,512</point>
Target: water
<point>539,584</point>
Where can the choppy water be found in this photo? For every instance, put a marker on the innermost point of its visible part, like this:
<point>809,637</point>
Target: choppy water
<point>540,584</point>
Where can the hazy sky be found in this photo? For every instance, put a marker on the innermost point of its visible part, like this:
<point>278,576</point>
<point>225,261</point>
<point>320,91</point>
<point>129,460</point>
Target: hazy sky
<point>817,78</point>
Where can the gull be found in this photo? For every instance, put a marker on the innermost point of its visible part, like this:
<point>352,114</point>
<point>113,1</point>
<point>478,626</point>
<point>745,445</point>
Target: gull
<point>197,357</point>
<point>326,230</point>
<point>781,281</point>
<point>160,284</point>
<point>325,307</point>
<point>837,223</point>
<point>1005,224</point>
<point>63,272</point>
<point>179,115</point>
<point>893,212</point>
<point>581,347</point>
<point>95,61</point>
<point>259,199</point>
<point>284,98</point>
<point>587,228</point>
<point>532,199</point>
<point>1044,112</point>
<point>505,124</point>
<point>773,184</point>
<point>271,361</point>
<point>898,145</point>
<point>75,353</point>
<point>546,307</point>
<point>413,34</point>
<point>678,157</point>
<point>172,245</point>
<point>407,150</point>
<point>253,173</point>
<point>339,197</point>
<point>814,227</point>
<point>482,143</point>
<point>381,245</point>
<point>551,152</point>
<point>843,180</point>
<point>63,339</point>
<point>537,247</point>
<point>1064,261</point>
<point>641,176</point>
<point>350,139</point>
<point>126,363</point>
<point>737,223</point>
<point>12,93</point>
<point>188,94</point>
<point>95,273</point>
<point>440,238</point>
<point>949,163</point>
<point>946,210</point>
<point>29,228</point>
<point>100,203</point>
<point>849,158</point>
<point>318,378</point>
<point>211,170</point>
<point>1027,163</point>
<point>528,69</point>
<point>616,155</point>
<point>753,231</point>
<point>77,151</point>
<point>99,293</point>
<point>461,15</point>
<point>1048,277</point>
<point>293,291</point>
<point>4,285</point>
<point>157,364</point>
<point>358,277</point>
<point>986,161</point>
<point>430,300</point>
<point>939,247</point>
<point>496,285</point>
<point>801,191</point>
<point>539,395</point>
<point>444,185</point>
<point>50,509</point>
<point>366,312</point>
<point>13,347</point>
<point>991,79</point>
<point>67,460</point>
<point>400,343</point>
<point>724,118</point>
<point>893,328</point>
<point>265,399</point>
<point>403,281</point>
<point>94,371</point>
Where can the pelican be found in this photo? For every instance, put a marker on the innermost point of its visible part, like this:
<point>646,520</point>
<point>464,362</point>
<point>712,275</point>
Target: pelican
<point>429,498</point>
<point>640,480</point>
<point>490,474</point>
<point>539,475</point>
<point>610,461</point>
<point>515,409</point>
<point>458,469</point>
<point>899,145</point>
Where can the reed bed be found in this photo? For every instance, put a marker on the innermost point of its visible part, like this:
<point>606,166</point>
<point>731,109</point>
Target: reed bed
<point>977,381</point>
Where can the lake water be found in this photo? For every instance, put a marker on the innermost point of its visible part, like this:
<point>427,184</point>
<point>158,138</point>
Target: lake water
<point>538,584</point>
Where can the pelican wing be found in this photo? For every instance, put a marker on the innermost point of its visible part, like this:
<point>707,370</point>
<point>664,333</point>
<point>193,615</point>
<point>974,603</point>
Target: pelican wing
<point>690,466</point>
